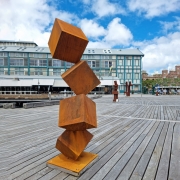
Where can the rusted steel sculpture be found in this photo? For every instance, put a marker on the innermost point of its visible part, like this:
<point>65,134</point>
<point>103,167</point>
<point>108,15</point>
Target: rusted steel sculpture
<point>78,113</point>
<point>115,92</point>
<point>128,88</point>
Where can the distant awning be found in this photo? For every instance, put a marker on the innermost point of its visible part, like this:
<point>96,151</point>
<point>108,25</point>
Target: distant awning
<point>15,83</point>
<point>109,82</point>
<point>60,83</point>
<point>42,82</point>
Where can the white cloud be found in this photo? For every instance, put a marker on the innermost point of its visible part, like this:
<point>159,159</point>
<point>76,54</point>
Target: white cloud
<point>104,7</point>
<point>116,34</point>
<point>91,28</point>
<point>152,8</point>
<point>86,1</point>
<point>161,53</point>
<point>171,26</point>
<point>29,20</point>
<point>98,44</point>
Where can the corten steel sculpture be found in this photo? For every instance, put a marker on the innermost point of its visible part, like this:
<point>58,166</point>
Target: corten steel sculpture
<point>115,92</point>
<point>128,88</point>
<point>78,113</point>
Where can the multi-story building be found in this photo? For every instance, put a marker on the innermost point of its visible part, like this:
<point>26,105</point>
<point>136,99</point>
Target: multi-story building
<point>165,74</point>
<point>34,67</point>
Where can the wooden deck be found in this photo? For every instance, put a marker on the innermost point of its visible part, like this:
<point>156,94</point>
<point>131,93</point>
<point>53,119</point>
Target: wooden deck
<point>136,138</point>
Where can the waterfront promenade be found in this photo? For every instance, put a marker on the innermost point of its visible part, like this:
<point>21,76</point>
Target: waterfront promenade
<point>137,138</point>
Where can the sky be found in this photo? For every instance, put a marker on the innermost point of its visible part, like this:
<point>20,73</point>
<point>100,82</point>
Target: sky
<point>153,26</point>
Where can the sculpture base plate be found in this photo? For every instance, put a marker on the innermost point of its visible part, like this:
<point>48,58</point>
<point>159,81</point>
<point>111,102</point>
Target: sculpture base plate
<point>74,167</point>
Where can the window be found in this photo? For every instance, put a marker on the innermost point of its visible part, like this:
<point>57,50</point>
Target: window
<point>19,71</point>
<point>69,64</point>
<point>1,62</point>
<point>49,56</point>
<point>108,64</point>
<point>38,71</point>
<point>128,76</point>
<point>107,51</point>
<point>50,62</point>
<point>136,62</point>
<point>15,54</point>
<point>56,72</point>
<point>34,62</point>
<point>84,57</point>
<point>106,57</point>
<point>121,76</point>
<point>92,64</point>
<point>41,55</point>
<point>3,54</point>
<point>56,63</point>
<point>121,62</point>
<point>16,62</point>
<point>42,62</point>
<point>136,76</point>
<point>91,57</point>
<point>37,55</point>
<point>38,62</point>
<point>128,62</point>
<point>1,71</point>
<point>89,63</point>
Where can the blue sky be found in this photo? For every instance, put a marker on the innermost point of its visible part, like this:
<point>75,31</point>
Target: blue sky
<point>153,26</point>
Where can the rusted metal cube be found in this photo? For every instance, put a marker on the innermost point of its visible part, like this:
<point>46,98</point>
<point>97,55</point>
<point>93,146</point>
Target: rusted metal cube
<point>77,113</point>
<point>80,78</point>
<point>67,42</point>
<point>72,143</point>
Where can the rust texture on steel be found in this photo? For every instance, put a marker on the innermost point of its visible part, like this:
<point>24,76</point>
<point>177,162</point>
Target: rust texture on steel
<point>72,143</point>
<point>67,42</point>
<point>78,113</point>
<point>128,86</point>
<point>81,78</point>
<point>115,92</point>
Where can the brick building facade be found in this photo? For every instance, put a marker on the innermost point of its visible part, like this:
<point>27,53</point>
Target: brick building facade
<point>164,74</point>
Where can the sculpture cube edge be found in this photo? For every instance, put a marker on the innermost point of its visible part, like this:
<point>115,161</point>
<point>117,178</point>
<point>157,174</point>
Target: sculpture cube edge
<point>67,42</point>
<point>77,113</point>
<point>81,72</point>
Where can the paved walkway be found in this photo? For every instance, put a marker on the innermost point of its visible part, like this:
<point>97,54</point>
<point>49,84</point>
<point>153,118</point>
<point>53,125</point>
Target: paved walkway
<point>136,138</point>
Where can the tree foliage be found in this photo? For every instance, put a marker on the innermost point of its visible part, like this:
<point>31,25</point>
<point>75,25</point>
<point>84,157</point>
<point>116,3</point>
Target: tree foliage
<point>161,82</point>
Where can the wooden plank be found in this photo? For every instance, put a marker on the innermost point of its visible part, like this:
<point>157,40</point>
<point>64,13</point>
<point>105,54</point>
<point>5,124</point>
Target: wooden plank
<point>31,172</point>
<point>32,132</point>
<point>110,150</point>
<point>162,113</point>
<point>40,173</point>
<point>108,138</point>
<point>174,170</point>
<point>163,168</point>
<point>119,160</point>
<point>128,169</point>
<point>110,141</point>
<point>26,168</point>
<point>150,172</point>
<point>50,175</point>
<point>60,176</point>
<point>143,162</point>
